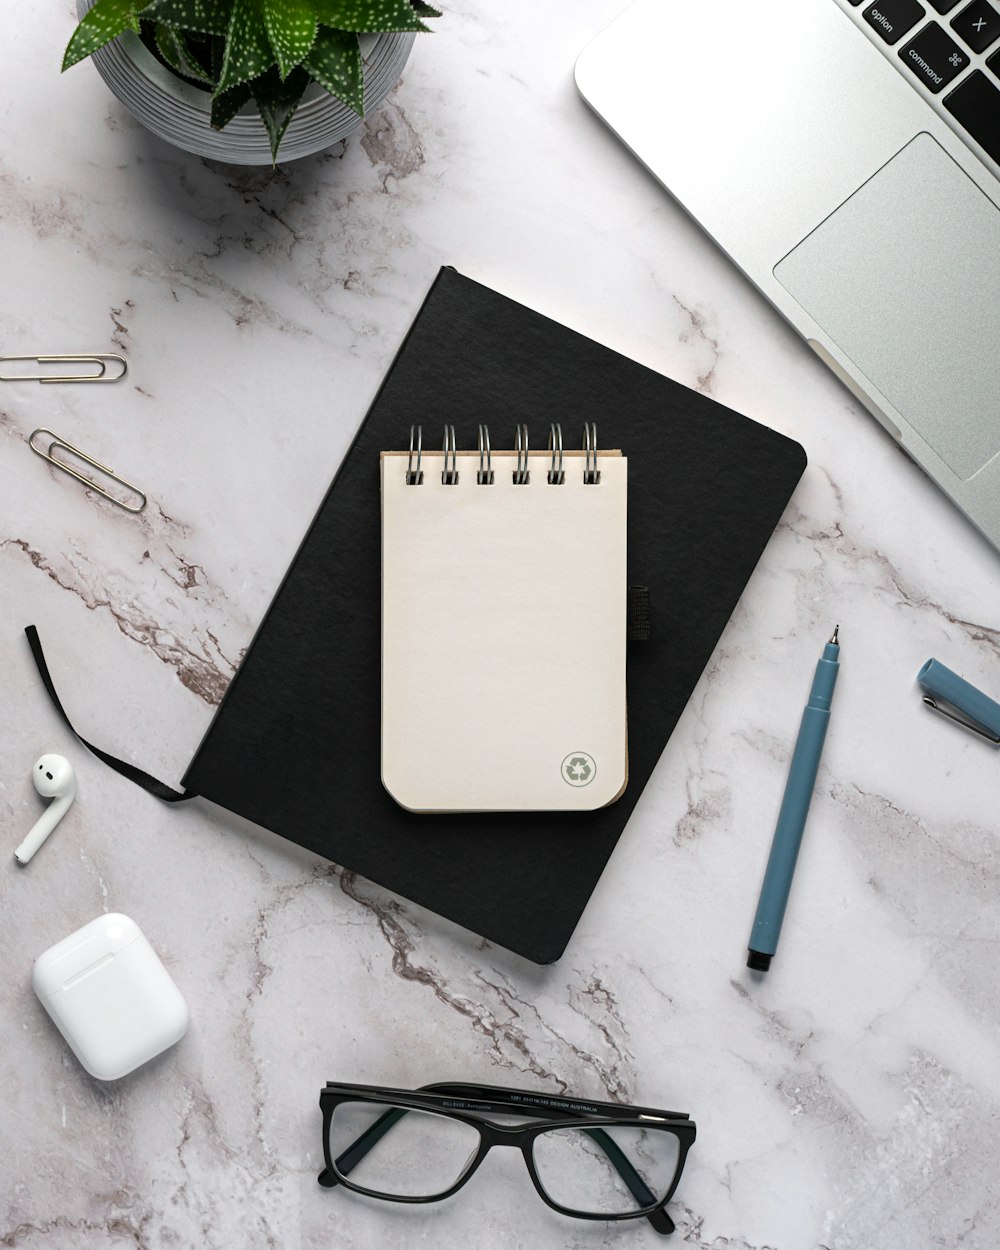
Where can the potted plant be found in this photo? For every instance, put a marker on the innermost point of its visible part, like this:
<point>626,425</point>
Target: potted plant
<point>298,71</point>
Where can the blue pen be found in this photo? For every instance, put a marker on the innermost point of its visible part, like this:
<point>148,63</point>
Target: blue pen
<point>794,809</point>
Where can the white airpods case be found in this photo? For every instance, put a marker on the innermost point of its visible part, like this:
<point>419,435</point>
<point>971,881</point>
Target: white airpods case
<point>110,996</point>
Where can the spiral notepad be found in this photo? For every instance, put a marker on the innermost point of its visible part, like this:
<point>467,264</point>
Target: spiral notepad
<point>504,604</point>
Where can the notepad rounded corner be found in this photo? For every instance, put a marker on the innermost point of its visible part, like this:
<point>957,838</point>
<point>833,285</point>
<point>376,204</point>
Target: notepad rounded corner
<point>607,789</point>
<point>392,790</point>
<point>594,798</point>
<point>619,790</point>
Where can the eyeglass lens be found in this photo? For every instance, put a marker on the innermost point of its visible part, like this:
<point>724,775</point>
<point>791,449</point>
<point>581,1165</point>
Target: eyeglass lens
<point>615,1170</point>
<point>399,1151</point>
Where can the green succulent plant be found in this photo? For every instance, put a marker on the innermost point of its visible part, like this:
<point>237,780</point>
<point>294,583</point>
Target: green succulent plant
<point>267,51</point>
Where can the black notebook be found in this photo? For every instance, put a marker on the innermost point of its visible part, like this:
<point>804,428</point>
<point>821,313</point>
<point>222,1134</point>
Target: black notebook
<point>706,488</point>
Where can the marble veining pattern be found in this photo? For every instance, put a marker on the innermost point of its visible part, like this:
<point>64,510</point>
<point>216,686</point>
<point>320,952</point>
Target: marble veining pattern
<point>850,1100</point>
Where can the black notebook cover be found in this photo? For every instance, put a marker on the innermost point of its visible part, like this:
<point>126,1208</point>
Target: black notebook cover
<point>706,488</point>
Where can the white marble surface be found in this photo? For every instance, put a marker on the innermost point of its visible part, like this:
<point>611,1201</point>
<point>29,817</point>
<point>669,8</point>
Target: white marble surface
<point>849,1100</point>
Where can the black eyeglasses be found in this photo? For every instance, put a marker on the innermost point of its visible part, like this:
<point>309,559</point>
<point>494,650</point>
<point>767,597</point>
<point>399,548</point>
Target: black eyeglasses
<point>592,1160</point>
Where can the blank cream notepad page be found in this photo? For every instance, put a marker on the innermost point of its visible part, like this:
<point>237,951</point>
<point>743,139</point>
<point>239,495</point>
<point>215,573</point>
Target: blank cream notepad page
<point>503,636</point>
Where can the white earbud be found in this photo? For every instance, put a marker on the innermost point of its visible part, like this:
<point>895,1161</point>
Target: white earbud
<point>54,779</point>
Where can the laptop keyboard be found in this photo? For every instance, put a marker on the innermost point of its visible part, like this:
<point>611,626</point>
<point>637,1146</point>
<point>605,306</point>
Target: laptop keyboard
<point>957,60</point>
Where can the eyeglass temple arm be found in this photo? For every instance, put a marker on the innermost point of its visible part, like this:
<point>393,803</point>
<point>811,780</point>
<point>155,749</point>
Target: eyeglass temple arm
<point>660,1220</point>
<point>547,1102</point>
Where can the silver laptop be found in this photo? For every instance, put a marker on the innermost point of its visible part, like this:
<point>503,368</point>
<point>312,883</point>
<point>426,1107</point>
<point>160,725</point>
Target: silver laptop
<point>846,155</point>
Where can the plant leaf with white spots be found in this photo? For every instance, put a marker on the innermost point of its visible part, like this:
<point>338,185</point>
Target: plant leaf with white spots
<point>171,46</point>
<point>226,106</point>
<point>291,27</point>
<point>202,17</point>
<point>369,16</point>
<point>277,99</point>
<point>104,22</point>
<point>335,63</point>
<point>248,48</point>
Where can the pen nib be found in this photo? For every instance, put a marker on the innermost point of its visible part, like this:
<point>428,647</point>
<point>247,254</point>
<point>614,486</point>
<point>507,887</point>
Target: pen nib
<point>835,640</point>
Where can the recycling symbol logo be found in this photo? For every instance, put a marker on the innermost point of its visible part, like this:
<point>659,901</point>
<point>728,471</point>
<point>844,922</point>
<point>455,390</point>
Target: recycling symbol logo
<point>578,769</point>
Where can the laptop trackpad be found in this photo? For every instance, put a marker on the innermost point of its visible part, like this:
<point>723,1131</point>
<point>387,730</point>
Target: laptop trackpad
<point>905,278</point>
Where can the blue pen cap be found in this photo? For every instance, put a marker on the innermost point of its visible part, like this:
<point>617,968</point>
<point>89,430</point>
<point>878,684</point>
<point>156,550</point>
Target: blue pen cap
<point>977,710</point>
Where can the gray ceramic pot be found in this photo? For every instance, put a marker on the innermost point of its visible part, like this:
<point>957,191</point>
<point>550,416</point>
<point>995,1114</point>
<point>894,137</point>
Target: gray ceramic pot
<point>180,113</point>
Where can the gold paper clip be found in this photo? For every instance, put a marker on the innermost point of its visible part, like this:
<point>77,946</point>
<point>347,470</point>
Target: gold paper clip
<point>89,482</point>
<point>100,360</point>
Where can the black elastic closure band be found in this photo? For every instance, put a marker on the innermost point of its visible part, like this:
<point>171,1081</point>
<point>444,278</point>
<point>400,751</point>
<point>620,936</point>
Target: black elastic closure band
<point>136,775</point>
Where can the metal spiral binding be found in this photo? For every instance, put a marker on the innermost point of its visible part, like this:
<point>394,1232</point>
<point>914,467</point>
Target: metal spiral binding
<point>485,475</point>
<point>449,477</point>
<point>557,475</point>
<point>415,477</point>
<point>521,474</point>
<point>591,473</point>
